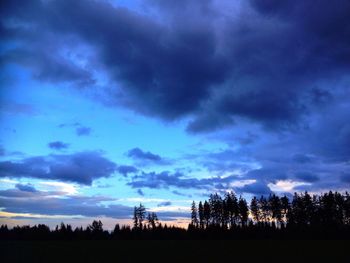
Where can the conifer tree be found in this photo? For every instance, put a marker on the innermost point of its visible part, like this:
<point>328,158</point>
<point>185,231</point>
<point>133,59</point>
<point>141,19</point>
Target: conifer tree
<point>194,215</point>
<point>254,209</point>
<point>243,210</point>
<point>201,214</point>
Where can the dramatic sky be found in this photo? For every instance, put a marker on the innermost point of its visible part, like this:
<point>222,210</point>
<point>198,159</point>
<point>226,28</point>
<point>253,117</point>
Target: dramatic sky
<point>106,104</point>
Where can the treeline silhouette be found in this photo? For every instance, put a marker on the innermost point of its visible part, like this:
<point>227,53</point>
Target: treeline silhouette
<point>304,210</point>
<point>304,216</point>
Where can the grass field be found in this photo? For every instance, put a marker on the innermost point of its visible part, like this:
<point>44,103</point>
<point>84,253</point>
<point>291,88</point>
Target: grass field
<point>175,251</point>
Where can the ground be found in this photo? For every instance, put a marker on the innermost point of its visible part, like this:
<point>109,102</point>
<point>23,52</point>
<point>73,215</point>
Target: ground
<point>175,251</point>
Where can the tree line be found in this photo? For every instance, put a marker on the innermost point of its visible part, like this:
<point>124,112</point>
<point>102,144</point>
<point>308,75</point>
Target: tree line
<point>303,216</point>
<point>331,209</point>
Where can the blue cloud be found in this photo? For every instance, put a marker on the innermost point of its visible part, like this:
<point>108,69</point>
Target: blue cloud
<point>248,83</point>
<point>307,177</point>
<point>26,188</point>
<point>167,179</point>
<point>137,153</point>
<point>257,188</point>
<point>83,131</point>
<point>58,145</point>
<point>126,169</point>
<point>166,203</point>
<point>82,167</point>
<point>140,192</point>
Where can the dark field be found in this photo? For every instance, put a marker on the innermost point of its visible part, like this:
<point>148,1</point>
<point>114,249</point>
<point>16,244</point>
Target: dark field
<point>175,251</point>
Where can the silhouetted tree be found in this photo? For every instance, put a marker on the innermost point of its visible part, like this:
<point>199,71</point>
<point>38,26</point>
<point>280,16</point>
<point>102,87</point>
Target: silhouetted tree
<point>243,210</point>
<point>139,216</point>
<point>323,216</point>
<point>194,216</point>
<point>285,207</point>
<point>232,207</point>
<point>225,214</point>
<point>215,203</point>
<point>135,218</point>
<point>201,214</point>
<point>254,209</point>
<point>264,209</point>
<point>96,226</point>
<point>346,208</point>
<point>206,213</point>
<point>152,219</point>
<point>276,207</point>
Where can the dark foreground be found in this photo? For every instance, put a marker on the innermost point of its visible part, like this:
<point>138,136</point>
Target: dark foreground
<point>175,251</point>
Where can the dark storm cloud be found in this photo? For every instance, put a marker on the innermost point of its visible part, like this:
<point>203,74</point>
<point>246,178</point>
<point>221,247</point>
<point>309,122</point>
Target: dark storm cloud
<point>178,65</point>
<point>82,167</point>
<point>280,64</point>
<point>49,66</point>
<point>58,145</point>
<point>307,177</point>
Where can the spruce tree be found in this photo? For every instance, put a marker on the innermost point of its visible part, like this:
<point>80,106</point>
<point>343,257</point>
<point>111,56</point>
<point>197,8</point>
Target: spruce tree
<point>194,215</point>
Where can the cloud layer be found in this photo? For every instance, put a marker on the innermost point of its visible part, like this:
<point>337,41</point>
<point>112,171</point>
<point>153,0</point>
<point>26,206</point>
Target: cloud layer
<point>82,167</point>
<point>265,66</point>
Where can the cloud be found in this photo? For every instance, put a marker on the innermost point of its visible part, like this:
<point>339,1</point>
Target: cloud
<point>195,60</point>
<point>16,193</point>
<point>307,177</point>
<point>44,203</point>
<point>345,177</point>
<point>126,169</point>
<point>83,131</point>
<point>26,188</point>
<point>140,192</point>
<point>302,158</point>
<point>50,66</point>
<point>58,145</point>
<point>166,203</point>
<point>144,158</point>
<point>74,124</point>
<point>175,192</point>
<point>167,179</point>
<point>41,204</point>
<point>258,188</point>
<point>80,129</point>
<point>277,69</point>
<point>81,167</point>
<point>137,153</point>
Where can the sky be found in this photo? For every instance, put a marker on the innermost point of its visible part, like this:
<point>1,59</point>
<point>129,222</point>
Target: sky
<point>108,104</point>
